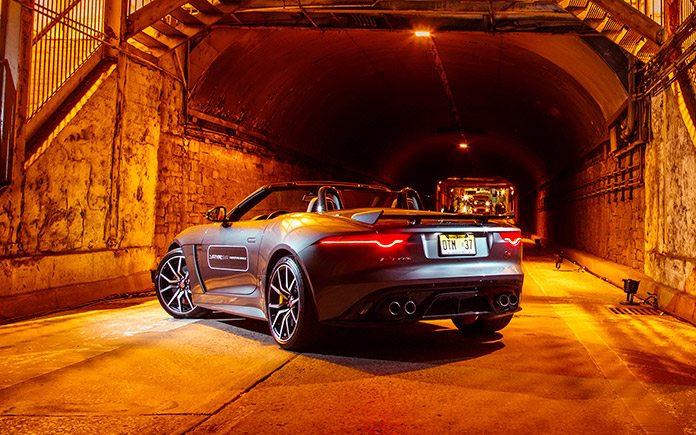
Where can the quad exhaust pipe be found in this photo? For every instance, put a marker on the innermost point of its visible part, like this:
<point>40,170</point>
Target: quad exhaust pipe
<point>504,300</point>
<point>395,308</point>
<point>514,300</point>
<point>507,300</point>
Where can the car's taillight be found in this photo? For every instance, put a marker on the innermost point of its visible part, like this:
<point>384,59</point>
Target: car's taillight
<point>512,238</point>
<point>381,240</point>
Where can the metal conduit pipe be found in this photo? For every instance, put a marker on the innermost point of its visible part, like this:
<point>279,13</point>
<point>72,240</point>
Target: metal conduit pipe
<point>630,126</point>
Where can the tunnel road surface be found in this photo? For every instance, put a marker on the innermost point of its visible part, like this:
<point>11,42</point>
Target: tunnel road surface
<point>573,361</point>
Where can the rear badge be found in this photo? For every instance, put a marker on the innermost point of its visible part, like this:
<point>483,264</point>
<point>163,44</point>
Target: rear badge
<point>394,259</point>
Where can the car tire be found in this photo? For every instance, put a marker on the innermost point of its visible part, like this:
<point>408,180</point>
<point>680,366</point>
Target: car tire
<point>482,326</point>
<point>291,316</point>
<point>173,287</point>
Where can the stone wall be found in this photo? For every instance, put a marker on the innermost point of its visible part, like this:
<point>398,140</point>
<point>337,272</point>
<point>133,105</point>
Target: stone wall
<point>670,231</point>
<point>616,229</point>
<point>599,205</point>
<point>100,201</point>
<point>86,200</point>
<point>610,225</point>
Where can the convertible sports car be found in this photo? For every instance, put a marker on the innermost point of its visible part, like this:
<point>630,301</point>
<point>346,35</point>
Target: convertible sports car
<point>300,255</point>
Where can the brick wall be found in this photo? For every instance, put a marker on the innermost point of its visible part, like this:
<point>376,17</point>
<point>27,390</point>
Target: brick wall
<point>200,168</point>
<point>197,173</point>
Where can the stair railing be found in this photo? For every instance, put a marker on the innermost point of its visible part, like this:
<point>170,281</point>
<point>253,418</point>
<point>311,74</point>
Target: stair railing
<point>66,33</point>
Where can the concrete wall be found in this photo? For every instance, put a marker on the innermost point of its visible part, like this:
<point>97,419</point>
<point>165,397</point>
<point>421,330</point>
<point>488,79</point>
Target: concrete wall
<point>670,231</point>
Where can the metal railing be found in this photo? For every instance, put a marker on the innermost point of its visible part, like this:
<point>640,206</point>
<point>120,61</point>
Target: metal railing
<point>686,7</point>
<point>66,33</point>
<point>134,5</point>
<point>651,8</point>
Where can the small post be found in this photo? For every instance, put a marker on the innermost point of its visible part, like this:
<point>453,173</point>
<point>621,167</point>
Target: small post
<point>537,246</point>
<point>630,288</point>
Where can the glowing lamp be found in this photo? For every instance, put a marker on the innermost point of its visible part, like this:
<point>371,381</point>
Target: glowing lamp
<point>380,240</point>
<point>422,33</point>
<point>512,238</point>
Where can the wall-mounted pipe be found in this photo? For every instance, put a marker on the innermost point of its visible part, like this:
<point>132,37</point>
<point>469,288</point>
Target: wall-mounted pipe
<point>629,127</point>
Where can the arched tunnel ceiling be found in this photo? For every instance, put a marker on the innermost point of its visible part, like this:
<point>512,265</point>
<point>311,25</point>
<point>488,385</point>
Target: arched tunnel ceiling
<point>374,99</point>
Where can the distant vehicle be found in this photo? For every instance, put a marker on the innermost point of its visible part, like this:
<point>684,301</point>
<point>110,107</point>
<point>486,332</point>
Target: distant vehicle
<point>477,196</point>
<point>299,255</point>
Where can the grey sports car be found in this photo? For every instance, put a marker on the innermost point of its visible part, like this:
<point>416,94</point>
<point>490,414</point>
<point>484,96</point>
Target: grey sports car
<point>300,255</point>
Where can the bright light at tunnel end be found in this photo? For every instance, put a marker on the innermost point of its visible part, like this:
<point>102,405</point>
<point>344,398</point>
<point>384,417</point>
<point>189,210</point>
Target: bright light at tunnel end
<point>422,33</point>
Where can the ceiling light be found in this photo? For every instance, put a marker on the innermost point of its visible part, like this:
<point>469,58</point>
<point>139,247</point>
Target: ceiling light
<point>464,145</point>
<point>422,33</point>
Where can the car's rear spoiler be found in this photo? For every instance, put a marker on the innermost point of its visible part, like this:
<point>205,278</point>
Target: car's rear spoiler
<point>371,217</point>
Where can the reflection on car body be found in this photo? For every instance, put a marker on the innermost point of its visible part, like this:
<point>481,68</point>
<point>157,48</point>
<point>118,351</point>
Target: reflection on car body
<point>301,255</point>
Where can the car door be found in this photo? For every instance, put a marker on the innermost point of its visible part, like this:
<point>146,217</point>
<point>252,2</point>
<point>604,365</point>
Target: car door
<point>228,257</point>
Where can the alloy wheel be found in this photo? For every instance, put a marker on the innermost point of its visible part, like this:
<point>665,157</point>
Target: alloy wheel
<point>174,285</point>
<point>284,302</point>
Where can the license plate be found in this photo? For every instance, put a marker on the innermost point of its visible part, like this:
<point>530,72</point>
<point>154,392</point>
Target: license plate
<point>457,244</point>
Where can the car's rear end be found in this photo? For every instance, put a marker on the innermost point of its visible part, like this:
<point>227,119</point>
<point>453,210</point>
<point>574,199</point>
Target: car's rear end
<point>407,265</point>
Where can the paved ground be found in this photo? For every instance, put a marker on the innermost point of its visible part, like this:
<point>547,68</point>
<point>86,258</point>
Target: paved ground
<point>568,363</point>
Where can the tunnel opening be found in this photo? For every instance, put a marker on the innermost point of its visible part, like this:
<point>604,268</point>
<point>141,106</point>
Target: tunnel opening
<point>396,106</point>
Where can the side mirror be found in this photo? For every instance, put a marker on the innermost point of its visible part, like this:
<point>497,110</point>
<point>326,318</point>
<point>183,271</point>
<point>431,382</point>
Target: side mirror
<point>217,214</point>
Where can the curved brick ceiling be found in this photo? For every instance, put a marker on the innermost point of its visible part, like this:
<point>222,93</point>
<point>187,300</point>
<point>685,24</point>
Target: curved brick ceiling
<point>374,99</point>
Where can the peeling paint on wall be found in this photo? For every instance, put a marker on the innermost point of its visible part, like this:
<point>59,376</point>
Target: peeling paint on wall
<point>670,180</point>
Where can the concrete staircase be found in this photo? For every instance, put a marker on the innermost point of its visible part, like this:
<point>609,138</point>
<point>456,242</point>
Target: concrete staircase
<point>163,25</point>
<point>620,22</point>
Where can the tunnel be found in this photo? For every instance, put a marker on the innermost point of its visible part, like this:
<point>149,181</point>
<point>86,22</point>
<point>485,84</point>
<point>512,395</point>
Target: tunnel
<point>396,106</point>
<point>158,110</point>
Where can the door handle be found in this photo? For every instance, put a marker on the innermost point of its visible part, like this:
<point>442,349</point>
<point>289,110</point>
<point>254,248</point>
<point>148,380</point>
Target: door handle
<point>251,239</point>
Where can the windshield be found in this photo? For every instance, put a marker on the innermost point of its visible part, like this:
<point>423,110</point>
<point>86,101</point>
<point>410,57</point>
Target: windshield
<point>288,201</point>
<point>304,199</point>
